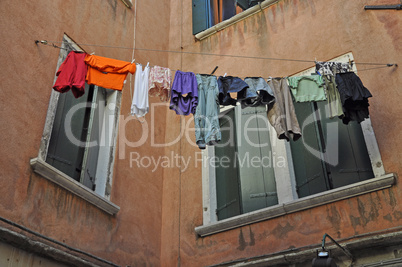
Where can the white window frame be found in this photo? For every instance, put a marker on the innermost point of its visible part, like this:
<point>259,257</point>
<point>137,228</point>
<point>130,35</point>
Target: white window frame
<point>288,201</point>
<point>101,196</point>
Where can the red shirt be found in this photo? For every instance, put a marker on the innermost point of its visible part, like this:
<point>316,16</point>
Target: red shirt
<point>71,74</point>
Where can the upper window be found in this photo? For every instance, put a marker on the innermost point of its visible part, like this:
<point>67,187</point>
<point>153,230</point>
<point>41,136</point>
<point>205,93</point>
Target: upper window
<point>80,133</point>
<point>207,13</point>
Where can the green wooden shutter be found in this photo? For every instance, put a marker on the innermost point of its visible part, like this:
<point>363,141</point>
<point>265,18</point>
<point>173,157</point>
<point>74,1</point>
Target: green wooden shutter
<point>257,178</point>
<point>267,166</point>
<point>62,153</point>
<point>90,163</point>
<point>200,15</point>
<point>353,162</point>
<point>227,180</point>
<point>362,158</point>
<point>310,171</point>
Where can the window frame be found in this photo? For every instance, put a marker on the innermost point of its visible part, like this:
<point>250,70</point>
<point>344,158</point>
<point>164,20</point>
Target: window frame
<point>288,200</point>
<point>101,196</point>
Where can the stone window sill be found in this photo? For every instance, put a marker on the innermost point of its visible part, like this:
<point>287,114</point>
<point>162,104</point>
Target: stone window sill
<point>316,200</point>
<point>49,172</point>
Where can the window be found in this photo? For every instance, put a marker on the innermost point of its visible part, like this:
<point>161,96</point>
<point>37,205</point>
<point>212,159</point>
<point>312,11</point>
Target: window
<point>207,13</point>
<point>78,144</point>
<point>332,161</point>
<point>76,141</point>
<point>331,155</point>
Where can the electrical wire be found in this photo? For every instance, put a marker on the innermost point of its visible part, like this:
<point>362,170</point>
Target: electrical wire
<point>181,118</point>
<point>51,43</point>
<point>383,67</point>
<point>132,56</point>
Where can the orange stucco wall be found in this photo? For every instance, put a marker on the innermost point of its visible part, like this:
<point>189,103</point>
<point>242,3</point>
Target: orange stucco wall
<point>292,29</point>
<point>132,237</point>
<point>161,208</point>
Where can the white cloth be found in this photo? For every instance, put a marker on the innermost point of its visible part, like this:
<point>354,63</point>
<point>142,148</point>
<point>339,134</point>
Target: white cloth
<point>140,106</point>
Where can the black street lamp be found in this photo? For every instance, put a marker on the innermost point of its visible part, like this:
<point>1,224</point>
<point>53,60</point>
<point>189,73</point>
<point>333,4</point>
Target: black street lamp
<point>323,258</point>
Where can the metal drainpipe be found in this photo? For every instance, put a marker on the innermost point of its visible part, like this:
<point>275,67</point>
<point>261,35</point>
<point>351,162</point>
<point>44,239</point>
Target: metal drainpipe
<point>382,7</point>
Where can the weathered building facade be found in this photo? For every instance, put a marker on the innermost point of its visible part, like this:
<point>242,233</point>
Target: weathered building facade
<point>156,199</point>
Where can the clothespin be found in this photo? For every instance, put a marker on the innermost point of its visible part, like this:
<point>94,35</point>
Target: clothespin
<point>259,3</point>
<point>350,64</point>
<point>132,61</point>
<point>93,53</point>
<point>225,74</point>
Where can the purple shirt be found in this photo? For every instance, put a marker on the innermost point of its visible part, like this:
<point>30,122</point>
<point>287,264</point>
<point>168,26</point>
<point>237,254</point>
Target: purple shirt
<point>184,96</point>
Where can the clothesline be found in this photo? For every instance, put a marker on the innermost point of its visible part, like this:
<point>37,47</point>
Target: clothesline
<point>334,84</point>
<point>52,43</point>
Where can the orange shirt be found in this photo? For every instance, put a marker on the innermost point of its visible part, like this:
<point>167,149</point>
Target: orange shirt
<point>107,72</point>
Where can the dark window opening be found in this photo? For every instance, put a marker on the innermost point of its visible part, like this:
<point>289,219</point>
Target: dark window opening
<point>332,155</point>
<point>207,13</point>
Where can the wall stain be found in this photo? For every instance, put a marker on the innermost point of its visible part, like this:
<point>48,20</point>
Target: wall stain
<point>334,217</point>
<point>205,242</point>
<point>397,215</point>
<point>239,33</point>
<point>393,29</point>
<point>312,7</point>
<point>295,9</point>
<point>242,241</point>
<point>272,18</point>
<point>392,199</point>
<point>252,238</point>
<point>306,229</point>
<point>282,9</point>
<point>366,216</point>
<point>262,30</point>
<point>245,27</point>
<point>188,249</point>
<point>388,217</point>
<point>113,5</point>
<point>282,231</point>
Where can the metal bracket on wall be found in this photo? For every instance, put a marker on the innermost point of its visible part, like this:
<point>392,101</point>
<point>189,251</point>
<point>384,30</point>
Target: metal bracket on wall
<point>128,3</point>
<point>382,7</point>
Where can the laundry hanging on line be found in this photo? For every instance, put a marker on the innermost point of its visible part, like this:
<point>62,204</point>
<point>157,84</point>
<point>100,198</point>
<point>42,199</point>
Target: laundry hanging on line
<point>201,96</point>
<point>79,67</point>
<point>107,72</point>
<point>140,105</point>
<point>71,74</point>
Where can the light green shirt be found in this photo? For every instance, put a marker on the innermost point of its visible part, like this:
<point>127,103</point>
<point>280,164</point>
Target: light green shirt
<point>307,88</point>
